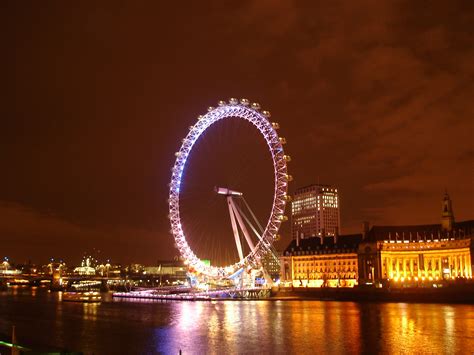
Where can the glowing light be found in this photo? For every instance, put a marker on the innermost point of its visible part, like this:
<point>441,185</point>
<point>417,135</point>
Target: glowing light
<point>10,345</point>
<point>275,143</point>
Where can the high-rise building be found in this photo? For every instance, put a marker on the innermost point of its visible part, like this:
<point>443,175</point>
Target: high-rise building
<point>315,212</point>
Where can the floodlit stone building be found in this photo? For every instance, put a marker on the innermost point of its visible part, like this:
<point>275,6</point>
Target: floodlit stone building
<point>407,255</point>
<point>321,262</point>
<point>418,253</point>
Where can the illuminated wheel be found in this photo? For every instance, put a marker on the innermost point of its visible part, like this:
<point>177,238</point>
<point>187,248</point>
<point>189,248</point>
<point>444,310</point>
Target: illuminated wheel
<point>250,112</point>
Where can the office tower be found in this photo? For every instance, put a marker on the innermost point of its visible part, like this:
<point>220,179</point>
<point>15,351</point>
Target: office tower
<point>315,212</point>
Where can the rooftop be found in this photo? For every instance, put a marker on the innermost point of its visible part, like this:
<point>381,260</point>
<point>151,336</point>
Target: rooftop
<point>344,244</point>
<point>349,243</point>
<point>420,231</point>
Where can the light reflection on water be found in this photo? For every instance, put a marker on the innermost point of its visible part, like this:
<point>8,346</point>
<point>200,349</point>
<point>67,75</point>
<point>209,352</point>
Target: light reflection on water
<point>430,327</point>
<point>237,326</point>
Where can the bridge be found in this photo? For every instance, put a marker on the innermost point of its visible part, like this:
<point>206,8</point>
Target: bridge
<point>58,282</point>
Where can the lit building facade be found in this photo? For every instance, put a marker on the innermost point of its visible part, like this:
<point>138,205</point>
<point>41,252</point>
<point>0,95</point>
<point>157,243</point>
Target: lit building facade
<point>405,255</point>
<point>321,262</point>
<point>315,212</point>
<point>6,269</point>
<point>415,254</point>
<point>168,271</point>
<point>87,266</point>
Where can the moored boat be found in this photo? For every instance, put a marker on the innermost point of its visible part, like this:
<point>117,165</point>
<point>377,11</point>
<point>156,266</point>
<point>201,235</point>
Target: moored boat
<point>88,297</point>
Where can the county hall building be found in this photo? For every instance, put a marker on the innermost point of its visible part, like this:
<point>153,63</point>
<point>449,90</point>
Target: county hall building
<point>404,255</point>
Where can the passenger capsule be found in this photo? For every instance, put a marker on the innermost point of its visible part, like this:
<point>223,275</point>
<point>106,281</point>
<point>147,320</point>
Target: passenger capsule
<point>233,101</point>
<point>282,140</point>
<point>266,113</point>
<point>287,158</point>
<point>221,103</point>
<point>244,102</point>
<point>210,108</point>
<point>275,125</point>
<point>289,177</point>
<point>255,106</point>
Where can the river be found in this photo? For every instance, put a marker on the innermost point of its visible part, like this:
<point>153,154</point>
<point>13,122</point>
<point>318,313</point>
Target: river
<point>235,327</point>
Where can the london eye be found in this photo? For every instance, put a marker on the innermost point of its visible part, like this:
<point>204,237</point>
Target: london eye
<point>265,234</point>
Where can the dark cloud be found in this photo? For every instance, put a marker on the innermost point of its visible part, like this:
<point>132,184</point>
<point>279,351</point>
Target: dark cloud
<point>374,97</point>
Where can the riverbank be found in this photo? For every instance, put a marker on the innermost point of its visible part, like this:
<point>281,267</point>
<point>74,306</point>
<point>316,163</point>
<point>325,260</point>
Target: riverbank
<point>448,294</point>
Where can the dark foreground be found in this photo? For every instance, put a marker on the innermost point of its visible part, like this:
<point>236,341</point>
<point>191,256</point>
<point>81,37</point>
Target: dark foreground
<point>149,327</point>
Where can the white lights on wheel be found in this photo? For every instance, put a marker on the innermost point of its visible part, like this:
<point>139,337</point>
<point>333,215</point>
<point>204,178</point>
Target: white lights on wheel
<point>250,113</point>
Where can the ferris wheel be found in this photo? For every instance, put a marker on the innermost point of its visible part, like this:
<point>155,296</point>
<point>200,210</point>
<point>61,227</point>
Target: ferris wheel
<point>252,113</point>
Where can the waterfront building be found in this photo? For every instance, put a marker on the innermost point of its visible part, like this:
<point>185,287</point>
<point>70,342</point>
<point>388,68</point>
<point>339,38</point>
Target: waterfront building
<point>105,269</point>
<point>87,266</point>
<point>134,269</point>
<point>168,271</point>
<point>418,253</point>
<point>407,255</point>
<point>321,262</point>
<point>315,211</point>
<point>413,254</point>
<point>7,269</point>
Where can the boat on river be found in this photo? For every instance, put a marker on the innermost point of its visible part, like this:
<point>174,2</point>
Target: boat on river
<point>86,297</point>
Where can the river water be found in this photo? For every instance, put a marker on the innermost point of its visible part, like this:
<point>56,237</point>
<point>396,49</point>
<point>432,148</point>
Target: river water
<point>235,327</point>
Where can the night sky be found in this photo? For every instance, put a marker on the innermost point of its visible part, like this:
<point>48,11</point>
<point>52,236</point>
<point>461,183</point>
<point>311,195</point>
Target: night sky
<point>375,97</point>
